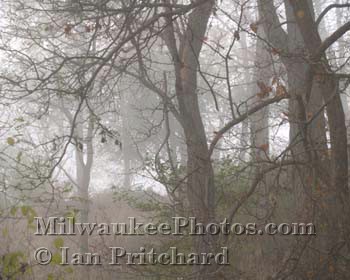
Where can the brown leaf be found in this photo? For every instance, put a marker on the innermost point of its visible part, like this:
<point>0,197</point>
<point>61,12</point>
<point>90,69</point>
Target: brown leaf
<point>281,90</point>
<point>254,27</point>
<point>309,116</point>
<point>264,147</point>
<point>67,29</point>
<point>261,95</point>
<point>264,89</point>
<point>275,80</point>
<point>275,51</point>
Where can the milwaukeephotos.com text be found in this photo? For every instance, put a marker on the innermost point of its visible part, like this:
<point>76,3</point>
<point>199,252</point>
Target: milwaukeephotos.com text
<point>177,226</point>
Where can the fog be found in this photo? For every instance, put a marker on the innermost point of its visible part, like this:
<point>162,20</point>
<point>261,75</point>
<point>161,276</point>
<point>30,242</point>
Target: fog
<point>174,139</point>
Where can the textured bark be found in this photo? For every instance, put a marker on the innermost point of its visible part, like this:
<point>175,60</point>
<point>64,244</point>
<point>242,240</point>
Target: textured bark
<point>200,171</point>
<point>84,154</point>
<point>259,123</point>
<point>322,28</point>
<point>309,93</point>
<point>290,47</point>
<point>298,85</point>
<point>336,191</point>
<point>200,174</point>
<point>341,61</point>
<point>307,138</point>
<point>259,120</point>
<point>328,86</point>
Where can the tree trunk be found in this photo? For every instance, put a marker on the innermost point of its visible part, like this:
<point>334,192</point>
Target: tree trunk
<point>336,192</point>
<point>83,173</point>
<point>200,174</point>
<point>307,123</point>
<point>259,123</point>
<point>247,92</point>
<point>126,143</point>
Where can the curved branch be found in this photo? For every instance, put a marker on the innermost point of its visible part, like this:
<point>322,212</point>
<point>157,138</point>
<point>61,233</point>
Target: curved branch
<point>331,39</point>
<point>236,121</point>
<point>326,10</point>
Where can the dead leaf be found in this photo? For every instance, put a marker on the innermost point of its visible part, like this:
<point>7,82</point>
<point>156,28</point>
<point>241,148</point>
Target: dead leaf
<point>67,29</point>
<point>281,90</point>
<point>264,89</point>
<point>254,27</point>
<point>264,147</point>
<point>309,116</point>
<point>275,80</point>
<point>275,51</point>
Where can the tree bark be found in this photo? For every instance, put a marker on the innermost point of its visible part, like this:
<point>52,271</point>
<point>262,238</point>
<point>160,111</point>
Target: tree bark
<point>336,191</point>
<point>200,174</point>
<point>259,123</point>
<point>312,87</point>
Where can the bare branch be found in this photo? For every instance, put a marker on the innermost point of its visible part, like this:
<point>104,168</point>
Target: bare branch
<point>236,121</point>
<point>331,39</point>
<point>326,10</point>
